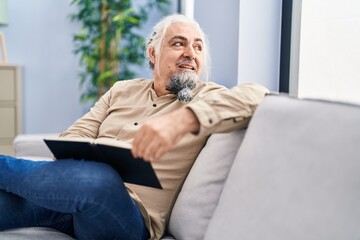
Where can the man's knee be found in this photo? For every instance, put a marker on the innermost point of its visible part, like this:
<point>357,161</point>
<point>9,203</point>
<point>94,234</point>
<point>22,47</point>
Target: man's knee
<point>93,178</point>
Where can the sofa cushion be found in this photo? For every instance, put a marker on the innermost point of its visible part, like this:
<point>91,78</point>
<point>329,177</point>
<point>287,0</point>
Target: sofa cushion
<point>296,176</point>
<point>202,188</point>
<point>32,146</point>
<point>34,233</point>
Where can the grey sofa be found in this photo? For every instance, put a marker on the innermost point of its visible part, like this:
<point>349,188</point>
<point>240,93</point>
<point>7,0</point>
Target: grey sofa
<point>293,174</point>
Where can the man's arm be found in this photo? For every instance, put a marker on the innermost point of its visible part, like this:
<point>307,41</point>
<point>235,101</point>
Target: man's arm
<point>88,125</point>
<point>219,111</point>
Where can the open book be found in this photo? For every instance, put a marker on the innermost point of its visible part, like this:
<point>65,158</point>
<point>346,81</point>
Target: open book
<point>110,151</point>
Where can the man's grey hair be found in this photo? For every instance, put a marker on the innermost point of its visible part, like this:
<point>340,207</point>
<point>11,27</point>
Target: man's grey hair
<point>157,36</point>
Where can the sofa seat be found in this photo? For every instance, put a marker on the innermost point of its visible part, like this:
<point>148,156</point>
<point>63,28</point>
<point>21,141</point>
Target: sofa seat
<point>43,233</point>
<point>34,233</point>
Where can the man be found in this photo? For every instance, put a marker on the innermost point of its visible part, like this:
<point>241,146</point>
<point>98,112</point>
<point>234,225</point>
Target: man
<point>167,120</point>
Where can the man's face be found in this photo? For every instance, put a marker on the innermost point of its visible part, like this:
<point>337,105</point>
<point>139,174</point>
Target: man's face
<point>182,51</point>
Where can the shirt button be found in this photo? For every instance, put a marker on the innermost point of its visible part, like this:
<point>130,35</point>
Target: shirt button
<point>135,123</point>
<point>154,105</point>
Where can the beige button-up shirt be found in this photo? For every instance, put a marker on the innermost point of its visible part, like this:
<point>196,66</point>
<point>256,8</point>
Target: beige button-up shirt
<point>122,110</point>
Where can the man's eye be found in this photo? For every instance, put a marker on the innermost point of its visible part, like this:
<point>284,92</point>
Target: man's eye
<point>178,44</point>
<point>198,48</point>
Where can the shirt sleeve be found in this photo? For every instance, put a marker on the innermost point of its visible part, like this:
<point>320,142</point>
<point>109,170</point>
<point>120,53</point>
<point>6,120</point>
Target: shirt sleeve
<point>88,125</point>
<point>228,109</point>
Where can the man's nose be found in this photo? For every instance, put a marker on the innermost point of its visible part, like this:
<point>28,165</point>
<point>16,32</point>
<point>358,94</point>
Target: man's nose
<point>189,52</point>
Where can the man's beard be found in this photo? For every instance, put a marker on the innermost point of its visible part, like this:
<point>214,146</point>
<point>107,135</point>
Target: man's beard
<point>181,84</point>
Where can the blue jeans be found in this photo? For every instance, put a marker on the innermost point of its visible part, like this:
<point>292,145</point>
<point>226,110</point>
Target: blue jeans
<point>87,200</point>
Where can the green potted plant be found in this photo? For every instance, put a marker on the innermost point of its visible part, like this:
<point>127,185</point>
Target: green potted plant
<point>109,41</point>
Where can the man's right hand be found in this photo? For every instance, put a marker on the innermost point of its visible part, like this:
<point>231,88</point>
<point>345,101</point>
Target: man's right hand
<point>159,135</point>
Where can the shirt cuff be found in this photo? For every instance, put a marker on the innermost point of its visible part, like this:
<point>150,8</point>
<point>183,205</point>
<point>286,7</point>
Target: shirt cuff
<point>205,114</point>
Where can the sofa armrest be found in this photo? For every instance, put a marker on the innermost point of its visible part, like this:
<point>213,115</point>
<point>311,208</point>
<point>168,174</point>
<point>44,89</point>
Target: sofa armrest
<point>32,146</point>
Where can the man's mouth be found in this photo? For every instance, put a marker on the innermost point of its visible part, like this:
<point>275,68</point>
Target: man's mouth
<point>187,67</point>
<point>187,64</point>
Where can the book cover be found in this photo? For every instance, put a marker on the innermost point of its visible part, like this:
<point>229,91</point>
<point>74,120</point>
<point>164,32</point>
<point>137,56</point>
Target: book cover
<point>115,153</point>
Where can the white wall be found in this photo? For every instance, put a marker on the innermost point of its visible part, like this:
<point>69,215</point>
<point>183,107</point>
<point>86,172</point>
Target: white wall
<point>329,64</point>
<point>259,42</point>
<point>244,40</point>
<point>39,39</point>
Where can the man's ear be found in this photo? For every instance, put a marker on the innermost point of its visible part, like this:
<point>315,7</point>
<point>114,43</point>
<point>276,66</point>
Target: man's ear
<point>152,55</point>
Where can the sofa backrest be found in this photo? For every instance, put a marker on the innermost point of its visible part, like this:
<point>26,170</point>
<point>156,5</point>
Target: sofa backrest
<point>296,175</point>
<point>201,191</point>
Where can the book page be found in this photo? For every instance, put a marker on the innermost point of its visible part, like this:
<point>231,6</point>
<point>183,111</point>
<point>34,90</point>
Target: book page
<point>113,142</point>
<point>105,141</point>
<point>72,139</point>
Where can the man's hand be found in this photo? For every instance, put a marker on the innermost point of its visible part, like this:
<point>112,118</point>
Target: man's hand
<point>157,136</point>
